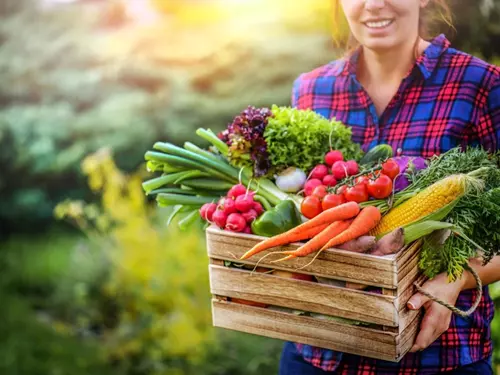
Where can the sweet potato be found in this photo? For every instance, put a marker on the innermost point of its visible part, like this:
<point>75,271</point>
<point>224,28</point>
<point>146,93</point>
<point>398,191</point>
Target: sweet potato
<point>359,245</point>
<point>391,243</point>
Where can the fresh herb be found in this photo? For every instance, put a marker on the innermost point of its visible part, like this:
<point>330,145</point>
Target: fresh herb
<point>300,138</point>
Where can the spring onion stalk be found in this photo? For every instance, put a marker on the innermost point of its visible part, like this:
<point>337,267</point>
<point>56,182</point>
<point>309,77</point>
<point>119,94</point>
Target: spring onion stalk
<point>263,201</point>
<point>185,200</point>
<point>174,191</point>
<point>187,221</point>
<point>210,136</point>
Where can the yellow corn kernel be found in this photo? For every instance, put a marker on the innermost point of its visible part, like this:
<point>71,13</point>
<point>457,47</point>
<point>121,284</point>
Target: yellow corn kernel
<point>424,203</point>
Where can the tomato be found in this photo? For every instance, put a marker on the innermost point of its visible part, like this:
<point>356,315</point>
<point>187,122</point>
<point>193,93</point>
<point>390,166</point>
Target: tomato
<point>390,168</point>
<point>380,188</point>
<point>311,207</point>
<point>320,191</point>
<point>361,180</point>
<point>332,200</point>
<point>356,193</point>
<point>352,167</point>
<point>341,190</point>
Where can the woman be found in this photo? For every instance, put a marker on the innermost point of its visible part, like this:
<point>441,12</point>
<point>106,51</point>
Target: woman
<point>423,97</point>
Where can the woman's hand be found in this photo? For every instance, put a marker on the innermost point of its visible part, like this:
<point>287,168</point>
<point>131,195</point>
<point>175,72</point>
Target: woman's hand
<point>437,317</point>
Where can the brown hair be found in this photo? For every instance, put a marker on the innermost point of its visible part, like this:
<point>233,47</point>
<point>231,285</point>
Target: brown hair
<point>435,14</point>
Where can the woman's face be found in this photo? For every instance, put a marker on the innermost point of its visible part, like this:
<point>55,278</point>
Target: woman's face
<point>383,24</point>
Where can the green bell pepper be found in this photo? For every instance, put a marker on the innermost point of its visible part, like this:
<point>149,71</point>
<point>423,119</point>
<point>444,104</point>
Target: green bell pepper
<point>283,217</point>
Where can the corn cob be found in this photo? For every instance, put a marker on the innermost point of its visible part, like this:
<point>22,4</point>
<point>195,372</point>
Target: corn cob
<point>428,201</point>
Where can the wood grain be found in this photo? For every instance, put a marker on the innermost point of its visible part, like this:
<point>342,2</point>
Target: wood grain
<point>304,295</point>
<point>306,330</point>
<point>336,264</point>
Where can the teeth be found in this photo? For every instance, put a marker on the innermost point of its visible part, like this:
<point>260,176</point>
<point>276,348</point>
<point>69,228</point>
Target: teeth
<point>379,24</point>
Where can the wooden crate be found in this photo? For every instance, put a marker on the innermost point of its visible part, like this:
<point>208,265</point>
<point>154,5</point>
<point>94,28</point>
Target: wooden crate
<point>388,328</point>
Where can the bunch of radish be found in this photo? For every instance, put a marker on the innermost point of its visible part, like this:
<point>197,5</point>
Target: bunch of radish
<point>234,212</point>
<point>338,181</point>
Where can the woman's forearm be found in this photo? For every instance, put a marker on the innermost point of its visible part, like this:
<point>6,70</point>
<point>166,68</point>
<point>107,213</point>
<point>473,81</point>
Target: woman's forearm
<point>488,274</point>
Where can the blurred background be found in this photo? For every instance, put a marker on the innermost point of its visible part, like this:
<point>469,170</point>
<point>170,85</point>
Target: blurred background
<point>91,281</point>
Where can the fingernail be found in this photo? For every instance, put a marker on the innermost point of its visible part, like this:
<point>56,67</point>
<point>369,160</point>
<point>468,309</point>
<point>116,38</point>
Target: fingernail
<point>411,306</point>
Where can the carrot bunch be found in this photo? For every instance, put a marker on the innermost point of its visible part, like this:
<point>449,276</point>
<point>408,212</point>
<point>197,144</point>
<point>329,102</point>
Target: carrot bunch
<point>332,227</point>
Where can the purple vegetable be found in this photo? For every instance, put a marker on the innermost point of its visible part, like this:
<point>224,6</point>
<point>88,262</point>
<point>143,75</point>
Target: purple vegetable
<point>407,166</point>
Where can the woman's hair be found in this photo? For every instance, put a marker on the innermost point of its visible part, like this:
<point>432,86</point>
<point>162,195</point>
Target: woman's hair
<point>434,15</point>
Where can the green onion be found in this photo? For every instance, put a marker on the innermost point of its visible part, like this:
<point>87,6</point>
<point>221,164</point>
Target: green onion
<point>186,200</point>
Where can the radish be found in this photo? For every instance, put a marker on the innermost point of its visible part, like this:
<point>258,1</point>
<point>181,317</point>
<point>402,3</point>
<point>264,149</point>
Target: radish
<point>333,156</point>
<point>319,171</point>
<point>235,223</point>
<point>236,191</point>
<point>329,180</point>
<point>250,215</point>
<point>247,230</point>
<point>207,211</point>
<point>339,170</point>
<point>352,167</point>
<point>310,185</point>
<point>258,208</point>
<point>243,203</point>
<point>227,205</point>
<point>219,218</point>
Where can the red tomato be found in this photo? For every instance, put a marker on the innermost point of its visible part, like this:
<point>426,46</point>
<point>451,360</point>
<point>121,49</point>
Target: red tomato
<point>356,193</point>
<point>341,190</point>
<point>320,191</point>
<point>332,200</point>
<point>361,180</point>
<point>352,167</point>
<point>380,188</point>
<point>329,180</point>
<point>311,207</point>
<point>390,168</point>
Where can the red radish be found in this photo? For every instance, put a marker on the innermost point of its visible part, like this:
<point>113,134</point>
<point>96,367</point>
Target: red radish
<point>219,218</point>
<point>207,211</point>
<point>235,223</point>
<point>227,205</point>
<point>329,180</point>
<point>319,171</point>
<point>310,185</point>
<point>339,170</point>
<point>247,230</point>
<point>352,167</point>
<point>320,191</point>
<point>258,208</point>
<point>333,156</point>
<point>243,202</point>
<point>236,191</point>
<point>250,215</point>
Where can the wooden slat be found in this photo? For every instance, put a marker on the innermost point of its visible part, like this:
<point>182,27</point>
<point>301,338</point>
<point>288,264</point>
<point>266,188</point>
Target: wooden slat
<point>337,264</point>
<point>405,295</point>
<point>304,295</point>
<point>410,264</point>
<point>407,338</point>
<point>407,253</point>
<point>410,278</point>
<point>306,330</point>
<point>407,317</point>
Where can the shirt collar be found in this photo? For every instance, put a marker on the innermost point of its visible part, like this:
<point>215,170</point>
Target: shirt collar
<point>427,62</point>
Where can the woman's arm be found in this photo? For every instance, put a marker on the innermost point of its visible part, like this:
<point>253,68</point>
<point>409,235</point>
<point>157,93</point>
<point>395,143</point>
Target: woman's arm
<point>437,317</point>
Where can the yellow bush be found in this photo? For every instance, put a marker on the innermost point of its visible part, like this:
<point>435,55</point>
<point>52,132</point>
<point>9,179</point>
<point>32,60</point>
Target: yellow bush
<point>158,276</point>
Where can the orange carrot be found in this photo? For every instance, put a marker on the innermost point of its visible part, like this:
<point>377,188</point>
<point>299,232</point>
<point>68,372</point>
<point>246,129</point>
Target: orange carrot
<point>320,239</point>
<point>284,239</point>
<point>367,219</point>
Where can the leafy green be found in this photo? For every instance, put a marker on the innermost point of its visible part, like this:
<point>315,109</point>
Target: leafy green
<point>477,215</point>
<point>300,138</point>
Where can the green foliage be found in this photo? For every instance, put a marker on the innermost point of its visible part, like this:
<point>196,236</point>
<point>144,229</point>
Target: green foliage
<point>302,138</point>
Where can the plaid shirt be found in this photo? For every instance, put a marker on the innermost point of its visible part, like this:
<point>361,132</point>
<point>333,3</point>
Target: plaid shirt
<point>448,99</point>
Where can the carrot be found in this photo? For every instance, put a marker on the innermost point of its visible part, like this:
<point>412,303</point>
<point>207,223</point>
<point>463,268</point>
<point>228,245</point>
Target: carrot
<point>320,239</point>
<point>343,212</point>
<point>283,239</point>
<point>367,219</point>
